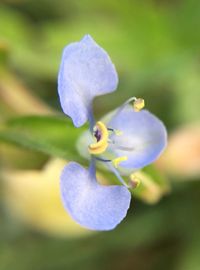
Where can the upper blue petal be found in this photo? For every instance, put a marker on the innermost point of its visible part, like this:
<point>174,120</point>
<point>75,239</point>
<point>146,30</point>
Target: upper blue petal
<point>143,135</point>
<point>92,205</point>
<point>86,71</point>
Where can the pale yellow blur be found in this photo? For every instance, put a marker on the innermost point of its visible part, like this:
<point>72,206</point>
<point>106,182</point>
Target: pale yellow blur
<point>33,196</point>
<point>182,156</point>
<point>19,98</point>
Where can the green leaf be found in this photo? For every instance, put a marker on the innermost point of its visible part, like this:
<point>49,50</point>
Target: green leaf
<point>53,135</point>
<point>190,255</point>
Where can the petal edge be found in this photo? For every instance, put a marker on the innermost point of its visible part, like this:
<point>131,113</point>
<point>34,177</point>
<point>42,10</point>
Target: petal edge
<point>86,71</point>
<point>92,205</point>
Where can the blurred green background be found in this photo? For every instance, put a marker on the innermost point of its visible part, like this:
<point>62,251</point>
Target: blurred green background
<point>155,47</point>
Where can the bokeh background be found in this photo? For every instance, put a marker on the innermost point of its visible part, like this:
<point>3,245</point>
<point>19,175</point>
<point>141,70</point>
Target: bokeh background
<point>155,46</point>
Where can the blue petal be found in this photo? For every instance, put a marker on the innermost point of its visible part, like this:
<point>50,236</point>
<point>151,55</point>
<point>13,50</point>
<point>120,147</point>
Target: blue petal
<point>143,137</point>
<point>86,71</point>
<point>92,205</point>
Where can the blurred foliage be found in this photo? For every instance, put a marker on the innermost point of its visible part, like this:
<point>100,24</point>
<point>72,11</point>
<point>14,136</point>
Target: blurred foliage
<point>52,135</point>
<point>155,47</point>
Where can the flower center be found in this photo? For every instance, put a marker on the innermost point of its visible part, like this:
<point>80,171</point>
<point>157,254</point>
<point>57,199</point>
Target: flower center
<point>97,134</point>
<point>101,134</point>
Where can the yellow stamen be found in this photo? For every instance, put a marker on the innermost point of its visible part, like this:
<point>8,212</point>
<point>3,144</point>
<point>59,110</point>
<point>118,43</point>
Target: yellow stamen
<point>100,146</point>
<point>138,104</point>
<point>134,181</point>
<point>116,161</point>
<point>118,132</point>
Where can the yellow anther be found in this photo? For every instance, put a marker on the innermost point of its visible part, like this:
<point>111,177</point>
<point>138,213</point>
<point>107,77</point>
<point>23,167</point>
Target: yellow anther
<point>116,161</point>
<point>138,104</point>
<point>118,132</point>
<point>134,181</point>
<point>100,146</point>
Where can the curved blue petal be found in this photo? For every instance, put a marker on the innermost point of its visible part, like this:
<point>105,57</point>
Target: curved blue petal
<point>143,137</point>
<point>92,205</point>
<point>86,71</point>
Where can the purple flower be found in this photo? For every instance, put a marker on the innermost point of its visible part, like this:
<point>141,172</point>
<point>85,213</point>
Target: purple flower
<point>128,139</point>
